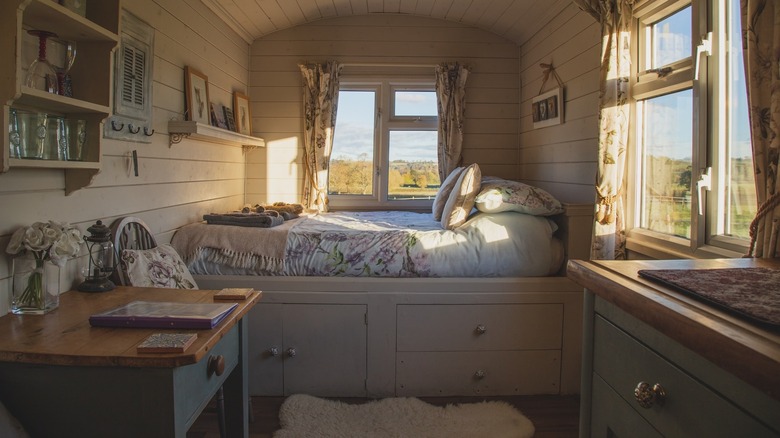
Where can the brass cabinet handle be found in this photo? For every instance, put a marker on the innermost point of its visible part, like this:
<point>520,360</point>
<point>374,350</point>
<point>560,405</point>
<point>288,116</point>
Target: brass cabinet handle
<point>647,395</point>
<point>216,365</point>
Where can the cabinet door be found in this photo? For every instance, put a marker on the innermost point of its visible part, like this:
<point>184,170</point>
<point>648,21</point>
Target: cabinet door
<point>266,375</point>
<point>329,342</point>
<point>612,417</point>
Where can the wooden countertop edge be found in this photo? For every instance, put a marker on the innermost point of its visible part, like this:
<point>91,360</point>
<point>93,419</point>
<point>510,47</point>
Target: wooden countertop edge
<point>130,358</point>
<point>737,350</point>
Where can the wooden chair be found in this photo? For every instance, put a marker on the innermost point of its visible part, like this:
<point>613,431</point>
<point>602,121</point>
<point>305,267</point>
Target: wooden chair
<point>132,233</point>
<point>129,233</point>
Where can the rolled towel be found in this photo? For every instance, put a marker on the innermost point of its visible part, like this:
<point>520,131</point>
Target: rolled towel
<point>261,220</point>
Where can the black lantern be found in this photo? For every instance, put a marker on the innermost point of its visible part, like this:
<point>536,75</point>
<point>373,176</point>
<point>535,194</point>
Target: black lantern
<point>100,263</point>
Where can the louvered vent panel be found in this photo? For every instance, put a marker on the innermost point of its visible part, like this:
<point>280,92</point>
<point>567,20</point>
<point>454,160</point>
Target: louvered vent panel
<point>138,72</point>
<point>127,77</point>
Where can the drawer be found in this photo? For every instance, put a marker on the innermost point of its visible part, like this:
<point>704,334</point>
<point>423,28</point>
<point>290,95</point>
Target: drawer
<point>690,407</point>
<point>456,373</point>
<point>194,385</point>
<point>479,327</point>
<point>611,416</point>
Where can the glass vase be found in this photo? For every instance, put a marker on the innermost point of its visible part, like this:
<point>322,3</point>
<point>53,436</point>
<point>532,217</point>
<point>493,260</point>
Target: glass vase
<point>36,285</point>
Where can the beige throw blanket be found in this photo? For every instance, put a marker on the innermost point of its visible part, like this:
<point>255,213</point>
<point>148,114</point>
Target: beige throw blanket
<point>240,247</point>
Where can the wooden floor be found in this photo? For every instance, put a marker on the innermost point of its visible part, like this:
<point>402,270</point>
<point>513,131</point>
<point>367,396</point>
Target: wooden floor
<point>553,416</point>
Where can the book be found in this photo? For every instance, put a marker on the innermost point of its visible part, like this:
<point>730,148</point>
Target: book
<point>153,314</point>
<point>167,343</point>
<point>229,119</point>
<point>233,293</point>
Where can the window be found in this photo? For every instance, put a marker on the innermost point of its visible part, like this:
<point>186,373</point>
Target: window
<point>691,181</point>
<point>384,145</point>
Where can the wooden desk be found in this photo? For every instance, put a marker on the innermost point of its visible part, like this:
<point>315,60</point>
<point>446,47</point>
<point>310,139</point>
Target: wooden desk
<point>721,374</point>
<point>61,377</point>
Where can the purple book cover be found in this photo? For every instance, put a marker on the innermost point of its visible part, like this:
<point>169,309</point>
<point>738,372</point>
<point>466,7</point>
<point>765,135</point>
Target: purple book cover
<point>151,314</point>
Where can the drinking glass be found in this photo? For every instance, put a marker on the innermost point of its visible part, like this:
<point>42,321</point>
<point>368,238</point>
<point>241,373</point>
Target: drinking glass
<point>33,130</point>
<point>64,84</point>
<point>14,136</point>
<point>41,74</point>
<point>56,142</point>
<point>77,139</point>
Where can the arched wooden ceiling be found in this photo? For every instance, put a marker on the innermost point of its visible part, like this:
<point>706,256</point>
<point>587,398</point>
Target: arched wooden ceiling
<point>516,20</point>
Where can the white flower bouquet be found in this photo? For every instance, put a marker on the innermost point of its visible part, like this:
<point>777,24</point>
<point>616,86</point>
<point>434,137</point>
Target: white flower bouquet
<point>52,241</point>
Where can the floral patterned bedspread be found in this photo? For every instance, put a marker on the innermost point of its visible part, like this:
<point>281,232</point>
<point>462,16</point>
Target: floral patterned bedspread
<point>406,244</point>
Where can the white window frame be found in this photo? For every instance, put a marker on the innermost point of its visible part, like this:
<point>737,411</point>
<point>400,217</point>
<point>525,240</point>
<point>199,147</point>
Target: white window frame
<point>708,133</point>
<point>386,121</point>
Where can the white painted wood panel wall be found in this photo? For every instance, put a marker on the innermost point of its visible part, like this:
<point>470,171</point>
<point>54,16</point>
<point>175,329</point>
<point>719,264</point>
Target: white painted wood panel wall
<point>492,111</point>
<point>562,158</point>
<point>177,184</point>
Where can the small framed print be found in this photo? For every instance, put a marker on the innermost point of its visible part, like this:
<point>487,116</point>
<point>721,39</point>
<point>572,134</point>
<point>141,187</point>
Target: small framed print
<point>229,119</point>
<point>547,108</point>
<point>196,86</point>
<point>242,114</point>
<point>218,116</point>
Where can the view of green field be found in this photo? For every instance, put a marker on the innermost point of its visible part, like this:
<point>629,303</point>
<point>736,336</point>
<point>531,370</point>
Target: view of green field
<point>407,180</point>
<point>668,199</point>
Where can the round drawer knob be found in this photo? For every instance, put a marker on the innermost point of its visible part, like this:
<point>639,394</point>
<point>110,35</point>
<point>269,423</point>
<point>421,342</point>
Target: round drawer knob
<point>647,395</point>
<point>480,374</point>
<point>273,351</point>
<point>481,329</point>
<point>216,365</point>
<point>291,352</point>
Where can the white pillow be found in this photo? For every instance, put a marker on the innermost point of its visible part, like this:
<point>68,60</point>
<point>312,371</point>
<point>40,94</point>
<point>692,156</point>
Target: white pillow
<point>157,267</point>
<point>499,195</point>
<point>444,192</point>
<point>461,200</point>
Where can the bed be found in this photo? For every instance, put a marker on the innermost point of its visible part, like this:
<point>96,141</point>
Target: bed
<point>377,244</point>
<point>480,323</point>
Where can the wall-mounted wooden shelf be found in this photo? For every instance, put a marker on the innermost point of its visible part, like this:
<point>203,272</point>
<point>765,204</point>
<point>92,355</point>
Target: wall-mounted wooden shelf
<point>179,130</point>
<point>97,35</point>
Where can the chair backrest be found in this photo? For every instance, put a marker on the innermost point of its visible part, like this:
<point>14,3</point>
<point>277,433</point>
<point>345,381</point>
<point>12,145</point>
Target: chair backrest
<point>129,233</point>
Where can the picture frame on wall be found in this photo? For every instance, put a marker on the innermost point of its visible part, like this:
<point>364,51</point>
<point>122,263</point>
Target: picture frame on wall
<point>196,86</point>
<point>547,108</point>
<point>242,114</point>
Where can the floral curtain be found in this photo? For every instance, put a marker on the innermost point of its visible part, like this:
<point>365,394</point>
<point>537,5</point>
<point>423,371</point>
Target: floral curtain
<point>451,96</point>
<point>761,48</point>
<point>320,100</point>
<point>615,16</point>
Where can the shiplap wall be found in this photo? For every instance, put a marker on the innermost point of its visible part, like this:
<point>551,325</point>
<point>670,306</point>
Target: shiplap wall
<point>274,173</point>
<point>562,158</point>
<point>176,184</point>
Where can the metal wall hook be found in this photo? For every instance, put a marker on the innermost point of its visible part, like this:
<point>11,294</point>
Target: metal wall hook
<point>133,131</point>
<point>147,133</point>
<point>114,126</point>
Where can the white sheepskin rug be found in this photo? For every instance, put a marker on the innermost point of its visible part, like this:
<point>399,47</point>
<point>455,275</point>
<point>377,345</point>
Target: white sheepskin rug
<point>303,416</point>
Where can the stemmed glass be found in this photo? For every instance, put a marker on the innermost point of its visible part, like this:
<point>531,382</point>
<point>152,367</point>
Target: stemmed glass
<point>41,75</point>
<point>63,80</point>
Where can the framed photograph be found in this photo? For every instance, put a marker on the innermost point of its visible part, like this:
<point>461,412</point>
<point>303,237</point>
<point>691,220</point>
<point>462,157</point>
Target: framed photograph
<point>218,116</point>
<point>547,108</point>
<point>196,86</point>
<point>229,119</point>
<point>241,113</point>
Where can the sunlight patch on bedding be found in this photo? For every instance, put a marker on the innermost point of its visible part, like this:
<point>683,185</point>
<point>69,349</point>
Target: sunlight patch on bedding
<point>494,232</point>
